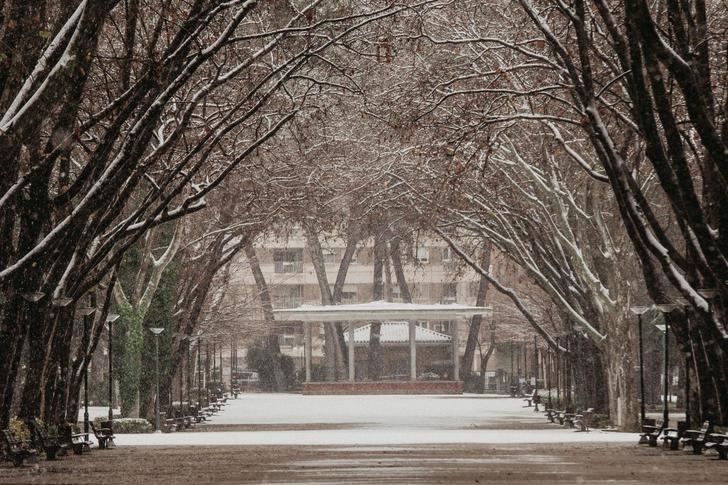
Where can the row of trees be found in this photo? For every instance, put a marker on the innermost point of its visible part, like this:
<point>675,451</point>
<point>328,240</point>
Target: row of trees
<point>584,141</point>
<point>119,118</point>
<point>587,140</point>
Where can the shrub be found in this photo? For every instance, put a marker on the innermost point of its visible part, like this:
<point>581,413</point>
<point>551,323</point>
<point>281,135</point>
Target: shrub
<point>260,359</point>
<point>19,429</point>
<point>600,421</point>
<point>128,425</point>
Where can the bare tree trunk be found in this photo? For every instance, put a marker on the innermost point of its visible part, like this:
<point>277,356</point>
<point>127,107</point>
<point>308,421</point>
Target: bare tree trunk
<point>353,239</point>
<point>264,295</point>
<point>375,363</point>
<point>395,254</point>
<point>475,321</point>
<point>485,357</point>
<point>332,348</point>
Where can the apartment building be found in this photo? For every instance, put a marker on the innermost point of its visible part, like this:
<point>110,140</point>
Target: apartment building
<point>432,273</point>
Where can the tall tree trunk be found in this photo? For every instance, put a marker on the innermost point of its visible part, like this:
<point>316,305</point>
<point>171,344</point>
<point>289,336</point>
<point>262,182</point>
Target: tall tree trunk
<point>395,254</point>
<point>264,294</point>
<point>353,238</point>
<point>333,352</point>
<point>132,310</point>
<point>485,357</point>
<point>475,321</point>
<point>375,362</point>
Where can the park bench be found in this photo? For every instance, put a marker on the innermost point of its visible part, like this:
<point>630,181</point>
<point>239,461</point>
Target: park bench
<point>189,421</point>
<point>652,432</point>
<point>184,422</point>
<point>565,418</point>
<point>78,442</point>
<point>647,424</point>
<point>560,416</point>
<point>696,438</point>
<point>719,441</point>
<point>568,419</point>
<point>167,425</point>
<point>15,449</point>
<point>196,415</point>
<point>209,411</point>
<point>104,435</point>
<point>551,415</point>
<point>41,441</point>
<point>583,421</point>
<point>532,398</point>
<point>671,436</point>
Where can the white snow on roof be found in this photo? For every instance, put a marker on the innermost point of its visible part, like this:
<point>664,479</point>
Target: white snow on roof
<point>379,310</point>
<point>398,332</point>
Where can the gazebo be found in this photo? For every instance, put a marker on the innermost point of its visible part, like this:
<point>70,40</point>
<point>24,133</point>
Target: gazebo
<point>364,313</point>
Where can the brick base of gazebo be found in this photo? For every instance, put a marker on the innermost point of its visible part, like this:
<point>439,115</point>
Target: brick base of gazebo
<point>383,387</point>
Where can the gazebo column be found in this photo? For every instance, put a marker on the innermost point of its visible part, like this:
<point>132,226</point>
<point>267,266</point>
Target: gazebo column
<point>413,351</point>
<point>455,348</point>
<point>351,352</point>
<point>307,349</point>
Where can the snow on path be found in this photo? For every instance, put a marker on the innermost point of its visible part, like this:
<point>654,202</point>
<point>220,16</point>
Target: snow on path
<point>400,411</point>
<point>376,420</point>
<point>352,437</point>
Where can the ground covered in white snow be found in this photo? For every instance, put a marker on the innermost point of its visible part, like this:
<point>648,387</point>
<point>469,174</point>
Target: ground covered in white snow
<point>295,419</point>
<point>284,439</point>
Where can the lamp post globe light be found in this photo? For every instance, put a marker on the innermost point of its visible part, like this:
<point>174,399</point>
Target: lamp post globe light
<point>156,331</point>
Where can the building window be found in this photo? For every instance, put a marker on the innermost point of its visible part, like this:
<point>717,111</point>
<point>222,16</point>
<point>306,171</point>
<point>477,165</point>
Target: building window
<point>449,293</point>
<point>287,296</point>
<point>289,336</point>
<point>329,256</point>
<point>288,260</point>
<point>423,254</point>
<point>441,326</point>
<point>348,296</point>
<point>446,254</point>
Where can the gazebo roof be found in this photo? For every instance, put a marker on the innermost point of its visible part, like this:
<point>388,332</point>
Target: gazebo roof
<point>398,333</point>
<point>378,310</point>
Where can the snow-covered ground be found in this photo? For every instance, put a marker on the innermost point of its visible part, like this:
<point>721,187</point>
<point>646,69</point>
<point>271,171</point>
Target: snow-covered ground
<point>377,411</point>
<point>96,412</point>
<point>377,420</point>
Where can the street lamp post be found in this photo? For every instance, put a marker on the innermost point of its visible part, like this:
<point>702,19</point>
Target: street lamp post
<point>665,410</point>
<point>199,375</point>
<point>667,308</point>
<point>110,319</point>
<point>535,366</point>
<point>189,367</point>
<point>639,311</point>
<point>156,331</point>
<point>548,374</point>
<point>558,372</point>
<point>86,312</point>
